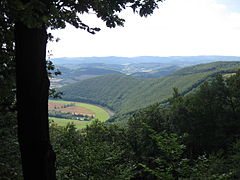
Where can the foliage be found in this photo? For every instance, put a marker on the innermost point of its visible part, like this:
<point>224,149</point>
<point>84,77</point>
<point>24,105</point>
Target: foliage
<point>55,14</point>
<point>210,116</point>
<point>97,152</point>
<point>10,167</point>
<point>103,151</point>
<point>7,61</point>
<point>157,153</point>
<point>10,161</point>
<point>169,163</point>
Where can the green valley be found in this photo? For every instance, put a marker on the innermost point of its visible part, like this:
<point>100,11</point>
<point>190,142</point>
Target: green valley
<point>124,93</point>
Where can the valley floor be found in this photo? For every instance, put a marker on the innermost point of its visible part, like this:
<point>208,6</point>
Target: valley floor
<point>100,113</point>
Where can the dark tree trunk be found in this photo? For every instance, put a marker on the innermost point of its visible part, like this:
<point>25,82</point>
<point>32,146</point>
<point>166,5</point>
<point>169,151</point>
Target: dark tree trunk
<point>38,158</point>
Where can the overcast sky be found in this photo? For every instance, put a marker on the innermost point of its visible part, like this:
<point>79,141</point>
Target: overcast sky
<point>177,28</point>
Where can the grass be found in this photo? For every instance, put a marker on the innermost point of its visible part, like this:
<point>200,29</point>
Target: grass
<point>64,122</point>
<point>100,113</point>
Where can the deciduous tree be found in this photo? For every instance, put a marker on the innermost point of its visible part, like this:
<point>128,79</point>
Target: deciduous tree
<point>30,20</point>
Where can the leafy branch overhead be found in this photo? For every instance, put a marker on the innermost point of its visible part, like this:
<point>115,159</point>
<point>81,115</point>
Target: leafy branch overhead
<point>55,14</point>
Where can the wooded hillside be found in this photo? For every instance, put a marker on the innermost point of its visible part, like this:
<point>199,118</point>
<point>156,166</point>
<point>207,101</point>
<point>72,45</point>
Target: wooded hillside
<point>124,93</point>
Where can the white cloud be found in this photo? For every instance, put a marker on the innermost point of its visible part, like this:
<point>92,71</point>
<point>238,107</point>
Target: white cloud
<point>178,27</point>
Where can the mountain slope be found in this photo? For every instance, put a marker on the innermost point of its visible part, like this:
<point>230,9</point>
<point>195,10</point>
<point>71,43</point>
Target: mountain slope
<point>74,75</point>
<point>124,93</point>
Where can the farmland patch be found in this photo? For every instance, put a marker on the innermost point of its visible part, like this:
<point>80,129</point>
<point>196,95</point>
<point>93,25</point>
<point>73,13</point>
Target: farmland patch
<point>81,114</point>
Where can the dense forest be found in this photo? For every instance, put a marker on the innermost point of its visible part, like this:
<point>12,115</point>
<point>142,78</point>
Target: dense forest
<point>195,136</point>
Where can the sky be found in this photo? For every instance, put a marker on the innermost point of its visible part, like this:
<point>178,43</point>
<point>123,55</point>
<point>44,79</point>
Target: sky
<point>177,28</point>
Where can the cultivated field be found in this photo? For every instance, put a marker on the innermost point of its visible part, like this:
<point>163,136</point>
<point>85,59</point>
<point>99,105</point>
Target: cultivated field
<point>73,108</point>
<point>79,108</point>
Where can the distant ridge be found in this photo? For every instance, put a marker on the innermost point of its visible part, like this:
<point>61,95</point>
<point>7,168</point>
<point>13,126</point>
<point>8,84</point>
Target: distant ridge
<point>161,72</point>
<point>74,75</point>
<point>184,60</point>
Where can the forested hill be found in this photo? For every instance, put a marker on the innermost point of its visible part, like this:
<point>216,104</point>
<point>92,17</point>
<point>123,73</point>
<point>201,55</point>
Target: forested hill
<point>124,93</point>
<point>74,75</point>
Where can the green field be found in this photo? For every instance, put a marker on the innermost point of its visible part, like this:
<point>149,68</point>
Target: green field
<point>100,113</point>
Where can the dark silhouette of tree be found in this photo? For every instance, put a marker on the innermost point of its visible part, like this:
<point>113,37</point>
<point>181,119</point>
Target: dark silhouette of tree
<point>30,20</point>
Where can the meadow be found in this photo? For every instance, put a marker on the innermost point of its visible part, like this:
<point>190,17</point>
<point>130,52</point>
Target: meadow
<point>100,114</point>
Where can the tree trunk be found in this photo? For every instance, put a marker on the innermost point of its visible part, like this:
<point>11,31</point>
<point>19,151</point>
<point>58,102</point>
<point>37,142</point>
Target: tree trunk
<point>38,158</point>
